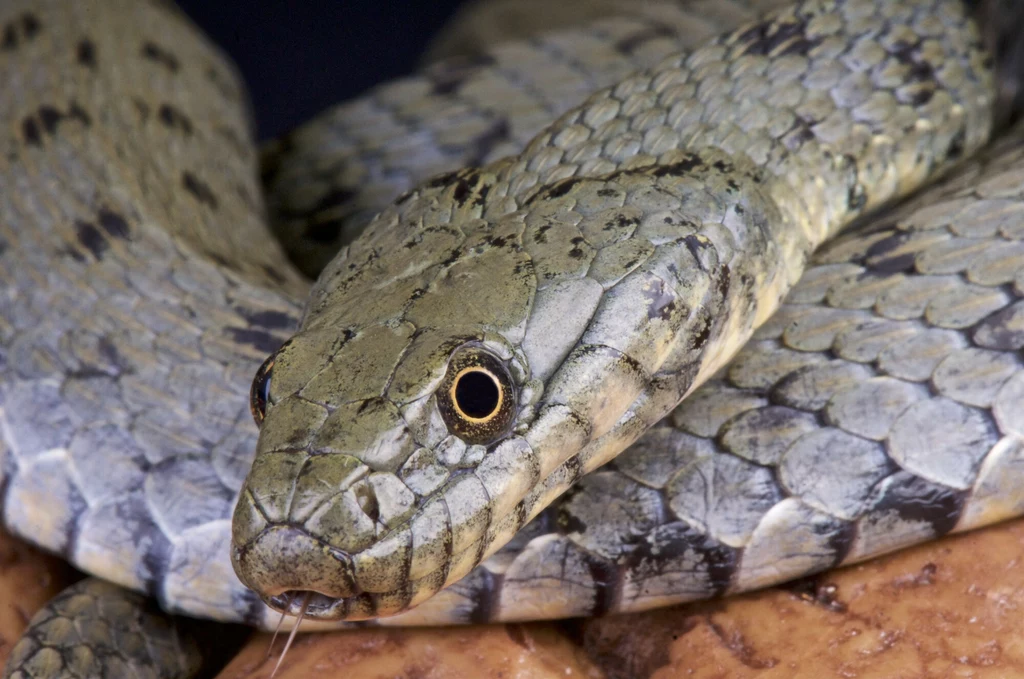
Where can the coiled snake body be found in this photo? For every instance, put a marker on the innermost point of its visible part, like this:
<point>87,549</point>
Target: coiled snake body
<point>498,333</point>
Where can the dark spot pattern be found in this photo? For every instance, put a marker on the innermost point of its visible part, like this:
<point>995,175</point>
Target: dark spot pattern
<point>449,75</point>
<point>30,132</point>
<point>174,119</point>
<point>113,223</point>
<point>260,340</point>
<point>20,30</point>
<point>199,189</point>
<point>481,147</point>
<point>85,53</point>
<point>273,320</point>
<point>777,39</point>
<point>161,56</point>
<point>631,43</point>
<point>91,238</point>
<point>48,119</point>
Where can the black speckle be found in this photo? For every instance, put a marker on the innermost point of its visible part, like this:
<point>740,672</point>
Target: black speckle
<point>161,56</point>
<point>481,147</point>
<point>50,117</point>
<point>30,132</point>
<point>9,41</point>
<point>956,145</point>
<point>274,275</point>
<point>700,338</point>
<point>442,179</point>
<point>222,83</point>
<point>85,53</point>
<point>91,238</point>
<point>723,166</point>
<point>922,96</point>
<point>769,36</point>
<point>76,112</point>
<point>661,300</point>
<point>259,340</point>
<point>218,259</point>
<point>464,185</point>
<point>113,223</point>
<point>540,235</point>
<point>801,46</point>
<point>174,119</point>
<point>30,25</point>
<point>448,76</point>
<point>72,253</point>
<point>560,188</point>
<point>630,43</point>
<point>198,189</point>
<point>880,258</point>
<point>688,164</point>
<point>453,257</point>
<point>273,320</point>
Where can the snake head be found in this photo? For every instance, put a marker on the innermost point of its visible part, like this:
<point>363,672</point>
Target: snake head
<point>446,387</point>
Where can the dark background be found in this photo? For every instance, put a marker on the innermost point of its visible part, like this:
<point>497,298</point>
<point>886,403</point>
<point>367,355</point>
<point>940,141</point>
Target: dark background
<point>300,57</point>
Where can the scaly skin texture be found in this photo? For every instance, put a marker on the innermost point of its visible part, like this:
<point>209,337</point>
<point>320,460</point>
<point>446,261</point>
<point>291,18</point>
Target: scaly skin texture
<point>131,386</point>
<point>327,179</point>
<point>127,343</point>
<point>610,268</point>
<point>87,632</point>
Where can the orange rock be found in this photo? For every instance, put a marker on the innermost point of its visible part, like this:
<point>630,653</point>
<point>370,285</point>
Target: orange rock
<point>28,579</point>
<point>536,651</point>
<point>953,608</point>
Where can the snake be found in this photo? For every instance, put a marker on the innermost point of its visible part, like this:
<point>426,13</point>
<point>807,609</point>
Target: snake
<point>626,359</point>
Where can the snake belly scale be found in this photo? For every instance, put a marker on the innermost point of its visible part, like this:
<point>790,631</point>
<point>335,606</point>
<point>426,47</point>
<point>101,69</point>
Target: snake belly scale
<point>596,278</point>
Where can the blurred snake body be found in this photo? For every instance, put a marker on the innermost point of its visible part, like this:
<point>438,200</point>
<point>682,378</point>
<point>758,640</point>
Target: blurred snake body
<point>475,416</point>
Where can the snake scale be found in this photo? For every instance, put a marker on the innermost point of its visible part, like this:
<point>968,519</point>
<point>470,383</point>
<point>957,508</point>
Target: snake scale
<point>497,334</point>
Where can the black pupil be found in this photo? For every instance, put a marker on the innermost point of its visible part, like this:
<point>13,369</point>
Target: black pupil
<point>477,394</point>
<point>261,391</point>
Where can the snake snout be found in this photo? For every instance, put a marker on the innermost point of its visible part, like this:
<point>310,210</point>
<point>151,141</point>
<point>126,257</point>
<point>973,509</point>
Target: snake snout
<point>283,560</point>
<point>312,512</point>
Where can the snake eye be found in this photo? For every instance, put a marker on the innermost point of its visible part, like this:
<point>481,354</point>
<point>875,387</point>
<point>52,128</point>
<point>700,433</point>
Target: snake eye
<point>477,396</point>
<point>260,390</point>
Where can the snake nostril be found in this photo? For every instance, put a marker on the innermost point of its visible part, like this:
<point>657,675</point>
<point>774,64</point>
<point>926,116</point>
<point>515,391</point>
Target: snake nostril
<point>367,500</point>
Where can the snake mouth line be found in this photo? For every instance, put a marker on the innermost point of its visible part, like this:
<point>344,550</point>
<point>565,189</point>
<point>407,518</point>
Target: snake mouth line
<point>318,606</point>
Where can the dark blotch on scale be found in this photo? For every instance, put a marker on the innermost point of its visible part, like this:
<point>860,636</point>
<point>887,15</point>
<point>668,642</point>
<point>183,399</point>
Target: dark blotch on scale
<point>85,53</point>
<point>199,189</point>
<point>161,56</point>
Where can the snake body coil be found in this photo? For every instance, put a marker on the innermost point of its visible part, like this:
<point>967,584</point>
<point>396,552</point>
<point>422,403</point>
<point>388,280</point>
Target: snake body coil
<point>606,271</point>
<point>500,332</point>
